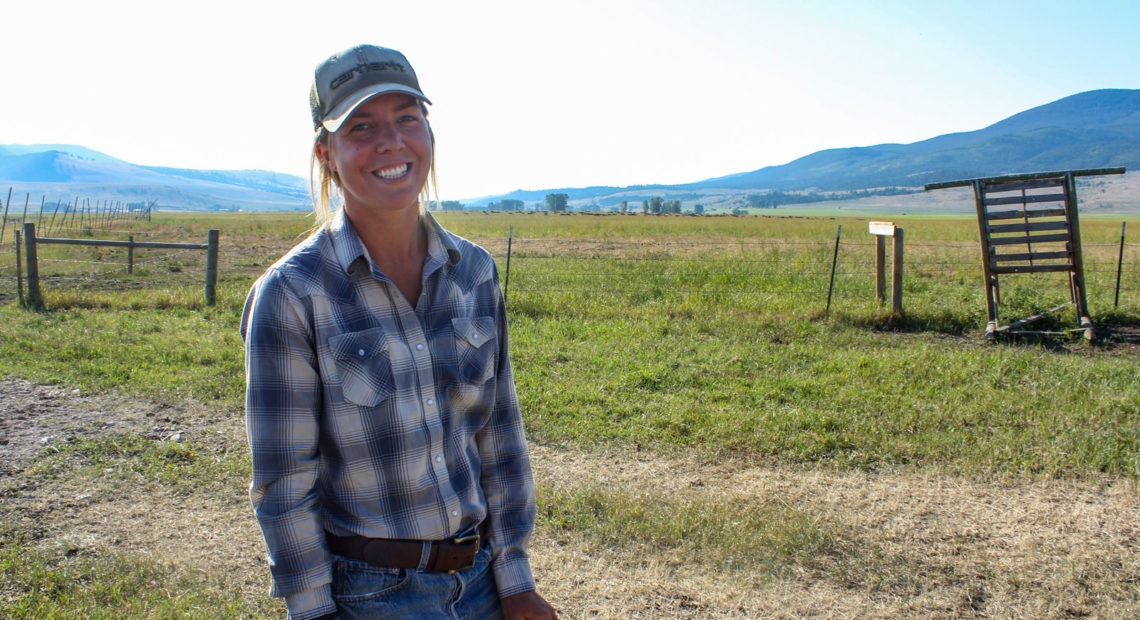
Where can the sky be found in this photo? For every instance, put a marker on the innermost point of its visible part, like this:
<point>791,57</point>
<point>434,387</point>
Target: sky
<point>534,95</point>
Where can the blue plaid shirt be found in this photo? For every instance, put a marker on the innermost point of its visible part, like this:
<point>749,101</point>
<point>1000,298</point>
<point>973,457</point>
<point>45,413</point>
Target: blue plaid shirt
<point>369,417</point>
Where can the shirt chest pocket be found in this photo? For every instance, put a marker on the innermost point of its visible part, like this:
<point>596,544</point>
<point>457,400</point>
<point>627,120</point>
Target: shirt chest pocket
<point>363,366</point>
<point>476,347</point>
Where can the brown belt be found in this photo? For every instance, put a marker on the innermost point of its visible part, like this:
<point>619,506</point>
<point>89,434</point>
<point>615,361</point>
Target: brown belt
<point>445,556</point>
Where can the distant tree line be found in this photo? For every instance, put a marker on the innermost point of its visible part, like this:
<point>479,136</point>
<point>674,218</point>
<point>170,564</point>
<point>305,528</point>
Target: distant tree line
<point>771,200</point>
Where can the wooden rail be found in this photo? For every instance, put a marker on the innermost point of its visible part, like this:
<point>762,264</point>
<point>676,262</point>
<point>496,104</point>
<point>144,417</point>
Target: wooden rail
<point>35,297</point>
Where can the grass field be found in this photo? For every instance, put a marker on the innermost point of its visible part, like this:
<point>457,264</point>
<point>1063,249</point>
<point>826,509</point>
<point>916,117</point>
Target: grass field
<point>711,437</point>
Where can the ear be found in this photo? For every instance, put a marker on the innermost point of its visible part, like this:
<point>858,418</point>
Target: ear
<point>323,156</point>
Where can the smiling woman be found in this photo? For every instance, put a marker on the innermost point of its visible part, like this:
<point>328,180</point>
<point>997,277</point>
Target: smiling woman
<point>390,468</point>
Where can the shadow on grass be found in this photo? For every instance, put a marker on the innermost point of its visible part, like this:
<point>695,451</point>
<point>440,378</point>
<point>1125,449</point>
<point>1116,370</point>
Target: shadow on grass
<point>1114,330</point>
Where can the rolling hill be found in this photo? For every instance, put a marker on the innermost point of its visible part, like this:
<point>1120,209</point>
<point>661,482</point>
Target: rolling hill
<point>1093,129</point>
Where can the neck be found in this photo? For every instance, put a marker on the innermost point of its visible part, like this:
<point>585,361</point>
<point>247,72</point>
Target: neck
<point>391,237</point>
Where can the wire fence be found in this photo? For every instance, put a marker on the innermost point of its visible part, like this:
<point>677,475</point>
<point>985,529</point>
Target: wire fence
<point>82,214</point>
<point>98,269</point>
<point>746,274</point>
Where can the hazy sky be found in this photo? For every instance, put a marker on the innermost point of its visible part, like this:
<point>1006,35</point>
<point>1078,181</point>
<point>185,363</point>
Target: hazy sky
<point>535,95</point>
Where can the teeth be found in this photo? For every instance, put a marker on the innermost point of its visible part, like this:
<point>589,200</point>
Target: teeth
<point>393,173</point>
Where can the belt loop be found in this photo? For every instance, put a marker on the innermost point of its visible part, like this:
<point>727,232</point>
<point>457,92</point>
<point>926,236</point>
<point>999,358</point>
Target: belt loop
<point>425,556</point>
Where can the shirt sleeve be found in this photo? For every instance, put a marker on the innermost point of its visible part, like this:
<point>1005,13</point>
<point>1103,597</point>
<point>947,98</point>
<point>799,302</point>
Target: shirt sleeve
<point>507,481</point>
<point>283,404</point>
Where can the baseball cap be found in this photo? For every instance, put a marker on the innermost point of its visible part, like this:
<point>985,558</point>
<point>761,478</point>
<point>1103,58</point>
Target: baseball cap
<point>347,79</point>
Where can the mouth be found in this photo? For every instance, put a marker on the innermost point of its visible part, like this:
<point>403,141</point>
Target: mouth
<point>392,172</point>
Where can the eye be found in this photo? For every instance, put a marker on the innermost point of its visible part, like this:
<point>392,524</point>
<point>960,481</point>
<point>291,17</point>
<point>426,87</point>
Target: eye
<point>358,127</point>
<point>409,118</point>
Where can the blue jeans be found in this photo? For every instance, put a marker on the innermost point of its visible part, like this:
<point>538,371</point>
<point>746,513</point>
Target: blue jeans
<point>366,592</point>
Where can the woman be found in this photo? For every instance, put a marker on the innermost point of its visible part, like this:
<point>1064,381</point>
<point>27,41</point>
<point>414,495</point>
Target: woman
<point>390,470</point>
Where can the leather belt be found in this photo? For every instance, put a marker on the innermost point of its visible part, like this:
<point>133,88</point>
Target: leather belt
<point>444,556</point>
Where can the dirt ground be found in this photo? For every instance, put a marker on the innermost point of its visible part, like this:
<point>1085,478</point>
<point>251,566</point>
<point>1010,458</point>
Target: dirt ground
<point>942,547</point>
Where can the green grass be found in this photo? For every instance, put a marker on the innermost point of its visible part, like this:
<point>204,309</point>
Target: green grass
<point>708,336</point>
<point>44,585</point>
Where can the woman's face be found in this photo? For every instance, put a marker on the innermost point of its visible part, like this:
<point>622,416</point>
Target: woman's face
<point>381,155</point>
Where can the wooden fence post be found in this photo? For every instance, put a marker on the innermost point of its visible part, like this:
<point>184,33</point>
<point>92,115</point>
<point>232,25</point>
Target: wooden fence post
<point>211,266</point>
<point>881,268</point>
<point>19,273</point>
<point>897,272</point>
<point>35,298</point>
<point>882,230</point>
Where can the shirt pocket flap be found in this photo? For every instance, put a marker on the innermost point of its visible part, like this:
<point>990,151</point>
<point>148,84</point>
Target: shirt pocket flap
<point>359,346</point>
<point>363,367</point>
<point>475,331</point>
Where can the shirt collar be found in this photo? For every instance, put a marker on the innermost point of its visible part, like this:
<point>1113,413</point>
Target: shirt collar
<point>348,248</point>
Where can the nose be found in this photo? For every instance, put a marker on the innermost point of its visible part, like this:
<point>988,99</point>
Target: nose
<point>388,138</point>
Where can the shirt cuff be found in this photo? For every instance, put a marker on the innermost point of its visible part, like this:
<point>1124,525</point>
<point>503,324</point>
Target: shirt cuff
<point>513,577</point>
<point>310,603</point>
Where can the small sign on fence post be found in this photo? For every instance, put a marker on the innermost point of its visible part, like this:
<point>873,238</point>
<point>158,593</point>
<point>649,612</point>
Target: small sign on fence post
<point>882,230</point>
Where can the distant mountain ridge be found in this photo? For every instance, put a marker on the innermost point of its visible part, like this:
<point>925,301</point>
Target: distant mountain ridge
<point>1094,129</point>
<point>64,172</point>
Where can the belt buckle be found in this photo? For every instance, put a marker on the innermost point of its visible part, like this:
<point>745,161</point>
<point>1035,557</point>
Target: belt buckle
<point>465,541</point>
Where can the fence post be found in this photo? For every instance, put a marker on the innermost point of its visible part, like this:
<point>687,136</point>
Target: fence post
<point>211,266</point>
<point>35,299</point>
<point>510,237</point>
<point>4,222</point>
<point>896,296</point>
<point>834,263</point>
<point>1119,265</point>
<point>881,268</point>
<point>130,254</point>
<point>882,230</point>
<point>19,273</point>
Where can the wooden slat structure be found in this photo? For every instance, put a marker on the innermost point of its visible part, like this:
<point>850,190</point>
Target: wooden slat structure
<point>1028,223</point>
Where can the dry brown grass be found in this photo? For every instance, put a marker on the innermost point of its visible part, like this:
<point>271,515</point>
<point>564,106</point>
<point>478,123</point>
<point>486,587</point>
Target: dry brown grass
<point>911,544</point>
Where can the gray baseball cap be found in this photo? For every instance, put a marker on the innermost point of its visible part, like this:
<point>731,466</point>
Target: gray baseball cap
<point>346,79</point>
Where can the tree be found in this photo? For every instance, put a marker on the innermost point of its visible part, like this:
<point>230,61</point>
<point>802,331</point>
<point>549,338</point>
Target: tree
<point>506,204</point>
<point>556,202</point>
<point>451,205</point>
<point>625,206</point>
<point>655,205</point>
<point>698,208</point>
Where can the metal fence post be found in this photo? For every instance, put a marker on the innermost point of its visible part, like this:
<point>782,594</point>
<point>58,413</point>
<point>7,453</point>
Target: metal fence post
<point>507,283</point>
<point>1119,265</point>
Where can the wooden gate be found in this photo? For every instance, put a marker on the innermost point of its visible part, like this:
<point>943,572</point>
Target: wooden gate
<point>1028,223</point>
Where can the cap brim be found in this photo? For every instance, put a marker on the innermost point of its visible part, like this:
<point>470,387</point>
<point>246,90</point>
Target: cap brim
<point>337,115</point>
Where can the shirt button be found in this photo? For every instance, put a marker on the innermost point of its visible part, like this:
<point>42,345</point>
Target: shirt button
<point>455,513</point>
<point>360,353</point>
<point>438,459</point>
<point>431,401</point>
<point>420,347</point>
<point>474,336</point>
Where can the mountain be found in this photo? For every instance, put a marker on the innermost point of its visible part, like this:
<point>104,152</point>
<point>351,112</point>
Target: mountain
<point>64,172</point>
<point>1094,129</point>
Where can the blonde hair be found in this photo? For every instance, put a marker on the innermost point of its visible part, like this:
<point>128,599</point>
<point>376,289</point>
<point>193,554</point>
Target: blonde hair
<point>324,187</point>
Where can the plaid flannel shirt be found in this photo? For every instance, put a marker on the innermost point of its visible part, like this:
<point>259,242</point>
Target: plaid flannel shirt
<point>368,417</point>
